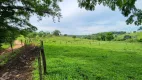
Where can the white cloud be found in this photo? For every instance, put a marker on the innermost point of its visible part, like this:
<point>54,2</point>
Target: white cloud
<point>139,4</point>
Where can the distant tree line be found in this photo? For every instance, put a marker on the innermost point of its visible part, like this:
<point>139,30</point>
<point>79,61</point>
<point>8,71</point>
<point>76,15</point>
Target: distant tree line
<point>104,36</point>
<point>43,34</point>
<point>116,36</point>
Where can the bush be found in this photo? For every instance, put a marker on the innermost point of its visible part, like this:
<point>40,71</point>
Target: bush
<point>127,37</point>
<point>140,40</point>
<point>65,35</point>
<point>74,36</point>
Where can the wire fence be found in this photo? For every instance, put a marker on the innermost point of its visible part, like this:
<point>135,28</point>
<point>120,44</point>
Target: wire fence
<point>42,69</point>
<point>42,61</point>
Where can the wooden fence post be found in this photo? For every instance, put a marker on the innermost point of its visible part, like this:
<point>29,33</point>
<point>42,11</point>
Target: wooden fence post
<point>43,57</point>
<point>39,66</point>
<point>21,42</point>
<point>25,42</point>
<point>11,46</point>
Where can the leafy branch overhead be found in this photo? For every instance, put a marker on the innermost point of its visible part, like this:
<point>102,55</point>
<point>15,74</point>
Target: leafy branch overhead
<point>15,14</point>
<point>127,8</point>
<point>18,12</point>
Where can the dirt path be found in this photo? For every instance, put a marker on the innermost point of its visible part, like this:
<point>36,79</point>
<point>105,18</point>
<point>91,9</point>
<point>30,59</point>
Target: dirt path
<point>17,44</point>
<point>20,68</point>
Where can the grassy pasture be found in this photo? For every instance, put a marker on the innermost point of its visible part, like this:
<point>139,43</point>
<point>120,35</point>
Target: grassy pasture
<point>77,59</point>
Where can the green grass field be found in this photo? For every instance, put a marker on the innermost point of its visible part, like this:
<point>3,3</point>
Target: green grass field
<point>69,59</point>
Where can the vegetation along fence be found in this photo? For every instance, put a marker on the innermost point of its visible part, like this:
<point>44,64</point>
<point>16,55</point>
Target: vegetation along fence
<point>40,56</point>
<point>41,59</point>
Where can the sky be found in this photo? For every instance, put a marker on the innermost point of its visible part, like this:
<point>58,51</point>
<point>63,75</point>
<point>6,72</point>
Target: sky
<point>77,21</point>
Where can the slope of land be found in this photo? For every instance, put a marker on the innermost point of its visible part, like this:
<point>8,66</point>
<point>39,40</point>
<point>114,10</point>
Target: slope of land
<point>137,35</point>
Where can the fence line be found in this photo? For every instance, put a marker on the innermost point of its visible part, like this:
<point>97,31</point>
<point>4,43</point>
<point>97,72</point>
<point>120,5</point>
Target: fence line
<point>39,66</point>
<point>41,59</point>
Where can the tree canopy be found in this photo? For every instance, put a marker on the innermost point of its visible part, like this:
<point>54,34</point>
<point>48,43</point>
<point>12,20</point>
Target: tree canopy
<point>126,7</point>
<point>56,32</point>
<point>140,28</point>
<point>15,15</point>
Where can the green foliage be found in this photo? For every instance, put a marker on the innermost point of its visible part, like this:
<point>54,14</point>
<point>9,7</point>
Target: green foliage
<point>134,31</point>
<point>133,37</point>
<point>56,32</point>
<point>126,7</point>
<point>18,14</point>
<point>140,40</point>
<point>104,36</point>
<point>140,28</point>
<point>74,36</point>
<point>109,36</point>
<point>8,36</point>
<point>15,15</point>
<point>41,34</point>
<point>65,35</point>
<point>127,37</point>
<point>116,36</point>
<point>4,46</point>
<point>32,35</point>
<point>88,37</point>
<point>4,58</point>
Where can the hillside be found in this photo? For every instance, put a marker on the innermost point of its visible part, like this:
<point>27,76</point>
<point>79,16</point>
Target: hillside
<point>135,36</point>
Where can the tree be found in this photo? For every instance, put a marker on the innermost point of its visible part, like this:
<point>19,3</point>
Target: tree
<point>41,34</point>
<point>8,35</point>
<point>126,7</point>
<point>140,40</point>
<point>32,35</point>
<point>140,28</point>
<point>15,14</point>
<point>47,33</point>
<point>109,36</point>
<point>56,32</point>
<point>65,35</point>
<point>87,37</point>
<point>127,37</point>
<point>103,36</point>
<point>134,31</point>
<point>74,36</point>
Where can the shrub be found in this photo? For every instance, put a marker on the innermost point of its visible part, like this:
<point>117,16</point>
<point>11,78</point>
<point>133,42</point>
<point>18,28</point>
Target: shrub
<point>74,36</point>
<point>140,40</point>
<point>127,37</point>
<point>65,35</point>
